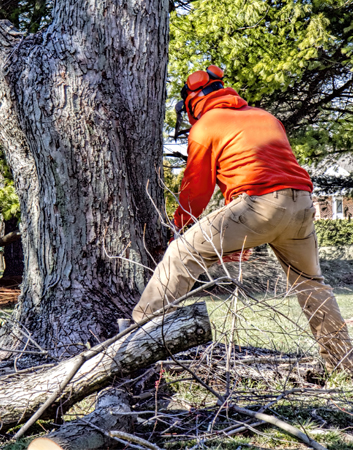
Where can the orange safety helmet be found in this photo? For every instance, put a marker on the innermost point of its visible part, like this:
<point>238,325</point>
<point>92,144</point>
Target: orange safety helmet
<point>198,84</point>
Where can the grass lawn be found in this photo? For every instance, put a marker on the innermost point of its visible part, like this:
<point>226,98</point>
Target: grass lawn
<point>274,323</point>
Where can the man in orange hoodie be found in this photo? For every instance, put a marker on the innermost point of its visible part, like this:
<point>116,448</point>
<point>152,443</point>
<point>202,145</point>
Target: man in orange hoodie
<point>268,199</point>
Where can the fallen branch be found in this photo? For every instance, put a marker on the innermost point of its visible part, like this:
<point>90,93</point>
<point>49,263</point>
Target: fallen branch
<point>239,429</point>
<point>80,359</point>
<point>112,412</point>
<point>9,238</point>
<point>123,437</point>
<point>258,415</point>
<point>181,330</point>
<point>293,431</point>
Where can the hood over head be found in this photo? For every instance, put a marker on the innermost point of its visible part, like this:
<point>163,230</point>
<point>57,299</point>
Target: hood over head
<point>223,98</point>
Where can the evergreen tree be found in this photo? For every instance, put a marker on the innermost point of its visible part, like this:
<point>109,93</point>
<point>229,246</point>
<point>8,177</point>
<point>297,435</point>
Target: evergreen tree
<point>293,58</point>
<point>27,15</point>
<point>9,203</point>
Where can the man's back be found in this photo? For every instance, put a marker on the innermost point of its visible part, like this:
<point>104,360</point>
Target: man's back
<point>250,151</point>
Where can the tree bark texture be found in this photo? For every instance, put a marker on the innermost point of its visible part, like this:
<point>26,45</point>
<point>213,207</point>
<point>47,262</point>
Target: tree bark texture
<point>22,394</point>
<point>81,117</point>
<point>111,413</point>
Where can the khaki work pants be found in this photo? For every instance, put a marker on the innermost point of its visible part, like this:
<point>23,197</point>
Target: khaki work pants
<point>283,219</point>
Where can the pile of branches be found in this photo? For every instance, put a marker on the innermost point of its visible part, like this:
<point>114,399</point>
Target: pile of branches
<point>190,376</point>
<point>170,383</point>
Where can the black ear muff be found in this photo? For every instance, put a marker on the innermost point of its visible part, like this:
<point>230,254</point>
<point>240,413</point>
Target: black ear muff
<point>215,86</point>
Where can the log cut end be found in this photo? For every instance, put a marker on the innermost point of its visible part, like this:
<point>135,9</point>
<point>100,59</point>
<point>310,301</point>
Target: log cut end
<point>44,444</point>
<point>89,433</point>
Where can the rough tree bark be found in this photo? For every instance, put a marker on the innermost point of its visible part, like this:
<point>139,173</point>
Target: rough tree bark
<point>111,413</point>
<point>81,116</point>
<point>22,394</point>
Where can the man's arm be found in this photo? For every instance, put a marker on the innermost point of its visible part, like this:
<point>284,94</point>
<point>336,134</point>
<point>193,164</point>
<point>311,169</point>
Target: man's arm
<point>197,185</point>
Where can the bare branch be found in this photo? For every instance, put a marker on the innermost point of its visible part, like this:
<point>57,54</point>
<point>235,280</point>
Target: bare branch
<point>10,238</point>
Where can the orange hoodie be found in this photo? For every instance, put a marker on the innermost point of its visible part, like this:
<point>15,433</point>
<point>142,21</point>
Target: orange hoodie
<point>241,148</point>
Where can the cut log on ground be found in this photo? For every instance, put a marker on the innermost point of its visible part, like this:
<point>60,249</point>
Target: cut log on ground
<point>78,435</point>
<point>21,394</point>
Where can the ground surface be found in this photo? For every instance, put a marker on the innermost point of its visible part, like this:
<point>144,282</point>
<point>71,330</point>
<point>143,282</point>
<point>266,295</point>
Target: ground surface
<point>261,326</point>
<point>270,329</point>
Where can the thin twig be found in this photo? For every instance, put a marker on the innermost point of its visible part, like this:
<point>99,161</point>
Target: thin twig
<point>341,409</point>
<point>120,435</point>
<point>28,352</point>
<point>282,425</point>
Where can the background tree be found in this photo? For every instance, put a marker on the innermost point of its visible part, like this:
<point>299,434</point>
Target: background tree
<point>81,123</point>
<point>291,58</point>
<point>172,182</point>
<point>27,15</point>
<point>12,254</point>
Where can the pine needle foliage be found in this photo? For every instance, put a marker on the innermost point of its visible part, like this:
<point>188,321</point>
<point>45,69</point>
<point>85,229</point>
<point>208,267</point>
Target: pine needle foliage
<point>291,57</point>
<point>9,202</point>
<point>27,15</point>
<point>172,183</point>
<point>336,233</point>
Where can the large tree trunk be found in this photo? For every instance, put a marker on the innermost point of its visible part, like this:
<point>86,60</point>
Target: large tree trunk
<point>22,394</point>
<point>81,116</point>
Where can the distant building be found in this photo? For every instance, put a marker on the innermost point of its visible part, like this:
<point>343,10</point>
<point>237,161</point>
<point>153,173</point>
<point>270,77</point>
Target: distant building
<point>333,207</point>
<point>337,205</point>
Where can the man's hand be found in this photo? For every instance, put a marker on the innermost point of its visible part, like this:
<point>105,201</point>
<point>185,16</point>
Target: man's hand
<point>237,256</point>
